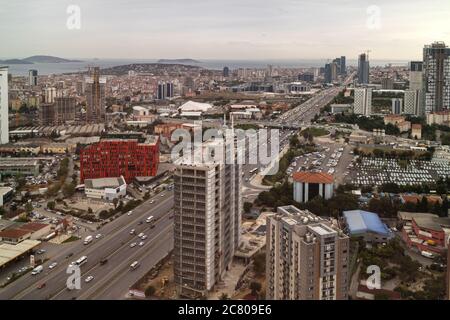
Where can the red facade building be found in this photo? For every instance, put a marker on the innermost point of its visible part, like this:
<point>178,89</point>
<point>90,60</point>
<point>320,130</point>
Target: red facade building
<point>120,157</point>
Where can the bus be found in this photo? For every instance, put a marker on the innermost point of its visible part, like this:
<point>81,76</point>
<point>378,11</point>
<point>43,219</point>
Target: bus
<point>81,261</point>
<point>253,171</point>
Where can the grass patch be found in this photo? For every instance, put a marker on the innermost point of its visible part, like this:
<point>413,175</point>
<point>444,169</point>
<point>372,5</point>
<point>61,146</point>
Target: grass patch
<point>71,239</point>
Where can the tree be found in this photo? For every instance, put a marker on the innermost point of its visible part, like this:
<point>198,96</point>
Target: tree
<point>28,207</point>
<point>149,291</point>
<point>90,210</point>
<point>224,296</point>
<point>247,207</point>
<point>51,205</point>
<point>68,190</point>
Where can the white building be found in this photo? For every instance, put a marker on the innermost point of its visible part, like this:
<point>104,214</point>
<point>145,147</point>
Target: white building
<point>195,107</point>
<point>207,209</point>
<point>49,95</point>
<point>363,101</point>
<point>413,102</point>
<point>308,185</point>
<point>4,123</point>
<point>105,188</point>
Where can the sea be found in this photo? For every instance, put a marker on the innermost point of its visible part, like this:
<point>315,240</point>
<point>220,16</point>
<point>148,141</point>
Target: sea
<point>72,67</point>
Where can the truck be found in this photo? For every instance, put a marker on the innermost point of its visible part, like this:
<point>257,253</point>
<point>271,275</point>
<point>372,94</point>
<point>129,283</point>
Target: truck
<point>88,239</point>
<point>37,270</point>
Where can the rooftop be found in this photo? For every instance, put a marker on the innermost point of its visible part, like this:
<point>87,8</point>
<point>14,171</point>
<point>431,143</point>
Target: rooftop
<point>103,183</point>
<point>359,221</point>
<point>313,177</point>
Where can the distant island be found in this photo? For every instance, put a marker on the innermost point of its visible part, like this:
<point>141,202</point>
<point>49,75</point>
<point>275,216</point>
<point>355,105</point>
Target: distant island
<point>182,61</point>
<point>151,68</point>
<point>37,59</point>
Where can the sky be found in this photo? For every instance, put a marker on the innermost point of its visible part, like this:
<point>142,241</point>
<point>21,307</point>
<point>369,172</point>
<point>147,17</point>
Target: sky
<point>225,29</point>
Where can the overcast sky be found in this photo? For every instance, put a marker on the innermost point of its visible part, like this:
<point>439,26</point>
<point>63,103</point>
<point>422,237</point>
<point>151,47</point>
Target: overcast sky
<point>222,29</point>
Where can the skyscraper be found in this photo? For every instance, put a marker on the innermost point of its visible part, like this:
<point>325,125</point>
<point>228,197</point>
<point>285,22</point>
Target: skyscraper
<point>64,110</point>
<point>397,106</point>
<point>331,72</point>
<point>32,77</point>
<point>413,102</point>
<point>4,123</point>
<point>416,75</point>
<point>307,257</point>
<point>343,66</point>
<point>95,96</point>
<point>226,72</point>
<point>363,101</point>
<point>165,91</point>
<point>363,69</point>
<point>49,95</point>
<point>436,77</point>
<point>207,207</point>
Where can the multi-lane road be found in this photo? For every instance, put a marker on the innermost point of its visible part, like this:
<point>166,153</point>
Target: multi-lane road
<point>112,279</point>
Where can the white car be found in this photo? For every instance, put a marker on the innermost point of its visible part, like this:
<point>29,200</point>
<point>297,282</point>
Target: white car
<point>140,235</point>
<point>152,201</point>
<point>163,195</point>
<point>130,213</point>
<point>141,243</point>
<point>88,279</point>
<point>98,236</point>
<point>133,245</point>
<point>54,264</point>
<point>132,231</point>
<point>144,237</point>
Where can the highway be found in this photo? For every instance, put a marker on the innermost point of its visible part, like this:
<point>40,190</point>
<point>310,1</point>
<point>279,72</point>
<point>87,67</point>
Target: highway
<point>113,245</point>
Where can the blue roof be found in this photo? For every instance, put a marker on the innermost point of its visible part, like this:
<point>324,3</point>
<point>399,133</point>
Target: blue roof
<point>359,221</point>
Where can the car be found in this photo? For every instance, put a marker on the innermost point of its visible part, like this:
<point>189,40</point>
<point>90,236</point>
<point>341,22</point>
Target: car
<point>54,264</point>
<point>162,195</point>
<point>132,231</point>
<point>42,285</point>
<point>130,213</point>
<point>103,261</point>
<point>141,243</point>
<point>98,236</point>
<point>132,245</point>
<point>88,279</point>
<point>152,226</point>
<point>140,222</point>
<point>144,237</point>
<point>140,235</point>
<point>69,255</point>
<point>40,251</point>
<point>152,201</point>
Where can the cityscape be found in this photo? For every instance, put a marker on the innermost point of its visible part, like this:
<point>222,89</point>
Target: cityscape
<point>325,176</point>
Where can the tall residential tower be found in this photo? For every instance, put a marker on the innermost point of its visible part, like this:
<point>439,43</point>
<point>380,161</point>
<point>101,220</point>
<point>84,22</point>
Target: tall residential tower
<point>4,130</point>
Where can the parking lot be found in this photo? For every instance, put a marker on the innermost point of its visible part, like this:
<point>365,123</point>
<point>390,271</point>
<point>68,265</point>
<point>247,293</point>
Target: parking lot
<point>377,171</point>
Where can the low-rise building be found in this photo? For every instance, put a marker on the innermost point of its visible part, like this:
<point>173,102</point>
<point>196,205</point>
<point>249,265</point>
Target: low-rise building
<point>19,166</point>
<point>440,117</point>
<point>366,224</point>
<point>105,188</point>
<point>6,194</point>
<point>416,131</point>
<point>308,185</point>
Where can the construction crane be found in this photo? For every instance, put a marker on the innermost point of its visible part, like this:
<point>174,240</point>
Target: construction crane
<point>367,53</point>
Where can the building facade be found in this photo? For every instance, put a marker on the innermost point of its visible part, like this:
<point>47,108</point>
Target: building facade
<point>120,157</point>
<point>363,101</point>
<point>33,77</point>
<point>436,77</point>
<point>397,106</point>
<point>208,210</point>
<point>308,185</point>
<point>363,69</point>
<point>307,257</point>
<point>4,121</point>
<point>95,96</point>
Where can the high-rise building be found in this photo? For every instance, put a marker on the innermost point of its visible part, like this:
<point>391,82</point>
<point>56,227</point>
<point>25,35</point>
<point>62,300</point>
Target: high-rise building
<point>4,121</point>
<point>207,209</point>
<point>49,95</point>
<point>95,96</point>
<point>111,158</point>
<point>32,77</point>
<point>307,77</point>
<point>331,72</point>
<point>363,101</point>
<point>413,102</point>
<point>46,114</point>
<point>64,110</point>
<point>169,90</point>
<point>343,66</point>
<point>165,91</point>
<point>436,77</point>
<point>363,69</point>
<point>397,106</point>
<point>307,257</point>
<point>416,75</point>
<point>387,84</point>
<point>226,72</point>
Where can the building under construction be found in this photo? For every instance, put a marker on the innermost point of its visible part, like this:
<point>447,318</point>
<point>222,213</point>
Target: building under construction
<point>95,96</point>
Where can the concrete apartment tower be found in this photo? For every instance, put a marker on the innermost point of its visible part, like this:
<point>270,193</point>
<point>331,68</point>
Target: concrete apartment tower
<point>207,210</point>
<point>363,101</point>
<point>307,257</point>
<point>4,122</point>
<point>95,96</point>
